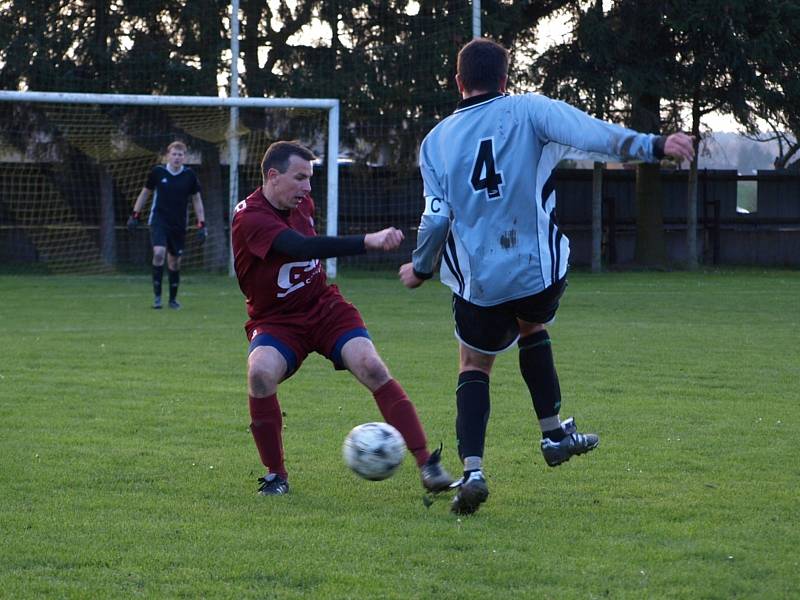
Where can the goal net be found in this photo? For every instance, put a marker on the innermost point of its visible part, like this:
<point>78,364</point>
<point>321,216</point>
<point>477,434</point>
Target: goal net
<point>72,165</point>
<point>70,172</point>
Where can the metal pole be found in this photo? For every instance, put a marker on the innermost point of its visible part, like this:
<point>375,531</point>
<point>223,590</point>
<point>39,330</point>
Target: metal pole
<point>154,100</point>
<point>691,217</point>
<point>233,136</point>
<point>597,216</point>
<point>332,158</point>
<point>476,19</point>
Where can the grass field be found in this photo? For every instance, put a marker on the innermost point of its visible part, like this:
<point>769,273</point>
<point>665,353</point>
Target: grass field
<point>128,469</point>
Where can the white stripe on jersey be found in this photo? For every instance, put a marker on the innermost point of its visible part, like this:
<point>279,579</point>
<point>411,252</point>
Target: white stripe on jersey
<point>554,252</point>
<point>455,271</point>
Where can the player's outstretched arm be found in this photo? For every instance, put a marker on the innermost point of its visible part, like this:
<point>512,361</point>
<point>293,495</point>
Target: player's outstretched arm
<point>294,244</point>
<point>386,239</point>
<point>679,145</point>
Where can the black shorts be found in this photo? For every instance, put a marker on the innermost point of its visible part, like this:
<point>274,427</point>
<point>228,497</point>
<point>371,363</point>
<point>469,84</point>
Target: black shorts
<point>493,329</point>
<point>174,238</point>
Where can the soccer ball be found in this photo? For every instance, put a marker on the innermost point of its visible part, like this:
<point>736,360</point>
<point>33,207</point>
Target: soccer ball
<point>374,451</point>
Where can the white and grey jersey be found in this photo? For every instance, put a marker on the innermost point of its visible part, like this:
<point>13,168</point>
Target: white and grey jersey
<point>489,193</point>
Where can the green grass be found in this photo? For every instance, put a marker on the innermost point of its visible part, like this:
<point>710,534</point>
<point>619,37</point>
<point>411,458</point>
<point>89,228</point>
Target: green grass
<point>128,469</point>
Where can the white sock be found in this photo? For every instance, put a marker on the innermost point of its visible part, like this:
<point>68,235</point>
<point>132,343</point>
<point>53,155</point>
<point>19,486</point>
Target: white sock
<point>472,463</point>
<point>550,423</point>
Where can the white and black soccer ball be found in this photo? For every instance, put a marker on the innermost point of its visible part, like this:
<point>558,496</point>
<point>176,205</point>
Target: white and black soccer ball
<point>374,451</point>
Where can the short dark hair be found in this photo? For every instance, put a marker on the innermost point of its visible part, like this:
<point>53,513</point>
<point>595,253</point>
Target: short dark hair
<point>278,154</point>
<point>482,64</point>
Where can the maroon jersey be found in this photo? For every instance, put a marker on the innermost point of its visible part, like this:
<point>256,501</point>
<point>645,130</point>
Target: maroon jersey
<point>275,285</point>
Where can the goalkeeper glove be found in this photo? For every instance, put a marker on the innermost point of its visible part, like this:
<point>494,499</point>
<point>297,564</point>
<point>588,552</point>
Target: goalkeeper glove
<point>133,221</point>
<point>202,232</point>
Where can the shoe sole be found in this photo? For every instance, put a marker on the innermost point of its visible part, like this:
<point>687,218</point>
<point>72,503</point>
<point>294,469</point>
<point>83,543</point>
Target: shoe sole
<point>571,454</point>
<point>439,487</point>
<point>468,500</point>
<point>273,493</point>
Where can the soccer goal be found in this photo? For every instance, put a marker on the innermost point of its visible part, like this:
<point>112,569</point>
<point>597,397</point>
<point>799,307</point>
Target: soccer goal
<point>71,166</point>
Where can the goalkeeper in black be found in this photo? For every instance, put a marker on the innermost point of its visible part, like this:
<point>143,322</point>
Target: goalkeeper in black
<point>172,185</point>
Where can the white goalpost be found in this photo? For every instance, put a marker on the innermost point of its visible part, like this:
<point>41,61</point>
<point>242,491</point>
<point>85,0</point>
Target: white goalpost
<point>80,128</point>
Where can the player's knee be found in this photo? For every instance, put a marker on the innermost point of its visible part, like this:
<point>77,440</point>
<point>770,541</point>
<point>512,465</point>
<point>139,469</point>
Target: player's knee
<point>263,378</point>
<point>376,369</point>
<point>526,328</point>
<point>475,361</point>
<point>475,366</point>
<point>261,382</point>
<point>371,369</point>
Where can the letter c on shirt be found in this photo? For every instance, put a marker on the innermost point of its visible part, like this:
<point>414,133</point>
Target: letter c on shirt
<point>433,206</point>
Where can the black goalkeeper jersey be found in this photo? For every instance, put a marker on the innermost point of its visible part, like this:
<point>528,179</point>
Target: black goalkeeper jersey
<point>172,193</point>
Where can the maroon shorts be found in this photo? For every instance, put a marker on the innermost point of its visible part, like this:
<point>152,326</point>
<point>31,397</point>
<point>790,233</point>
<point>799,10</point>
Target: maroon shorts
<point>324,328</point>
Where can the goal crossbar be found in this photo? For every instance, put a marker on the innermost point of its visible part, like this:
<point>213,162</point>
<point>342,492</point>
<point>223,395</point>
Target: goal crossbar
<point>154,100</point>
<point>329,104</point>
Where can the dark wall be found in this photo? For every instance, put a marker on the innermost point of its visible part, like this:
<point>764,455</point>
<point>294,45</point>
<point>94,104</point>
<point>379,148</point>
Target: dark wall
<point>769,236</point>
<point>374,198</point>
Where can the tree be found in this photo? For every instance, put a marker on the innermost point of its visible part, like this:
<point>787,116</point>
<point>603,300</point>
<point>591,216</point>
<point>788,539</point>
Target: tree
<point>582,71</point>
<point>774,33</point>
<point>393,68</point>
<point>391,63</point>
<point>617,67</point>
<point>126,46</point>
<point>713,74</point>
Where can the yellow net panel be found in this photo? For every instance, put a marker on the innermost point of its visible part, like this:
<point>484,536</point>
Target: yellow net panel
<point>50,231</point>
<point>204,123</point>
<point>70,173</point>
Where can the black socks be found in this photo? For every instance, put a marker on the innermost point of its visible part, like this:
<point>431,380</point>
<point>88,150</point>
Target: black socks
<point>539,372</point>
<point>174,280</point>
<point>472,401</point>
<point>158,274</point>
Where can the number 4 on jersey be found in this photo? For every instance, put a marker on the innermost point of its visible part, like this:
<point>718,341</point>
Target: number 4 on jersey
<point>484,175</point>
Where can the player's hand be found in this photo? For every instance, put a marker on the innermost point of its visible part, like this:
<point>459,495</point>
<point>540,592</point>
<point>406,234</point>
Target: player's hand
<point>679,145</point>
<point>133,222</point>
<point>202,232</point>
<point>385,239</point>
<point>407,276</point>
